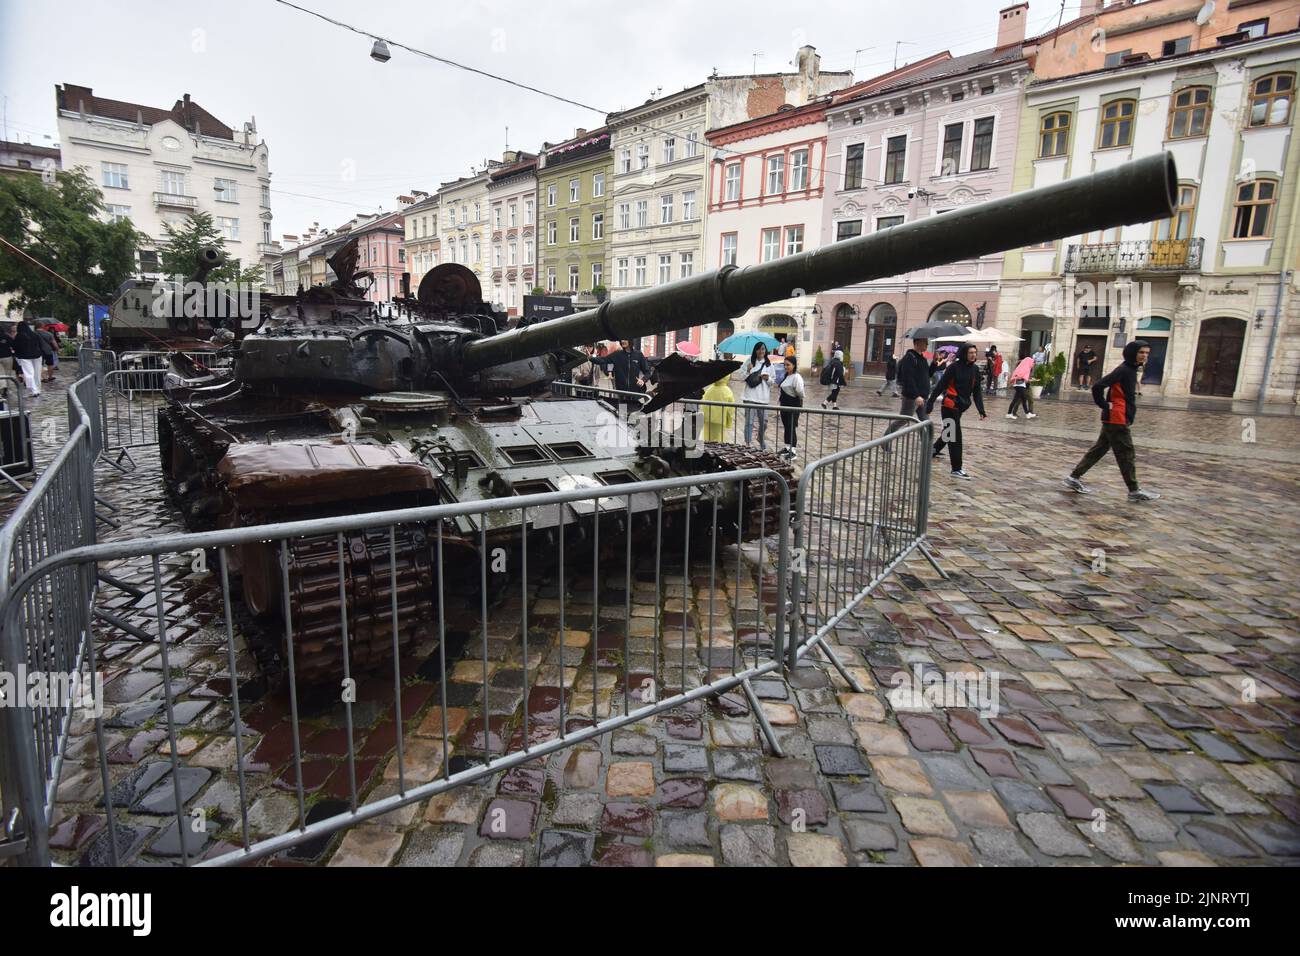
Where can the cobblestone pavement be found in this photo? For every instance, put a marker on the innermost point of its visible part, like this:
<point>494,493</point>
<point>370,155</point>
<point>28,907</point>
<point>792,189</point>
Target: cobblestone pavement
<point>1147,698</point>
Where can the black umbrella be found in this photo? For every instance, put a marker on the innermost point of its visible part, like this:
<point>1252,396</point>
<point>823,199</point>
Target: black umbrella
<point>932,330</point>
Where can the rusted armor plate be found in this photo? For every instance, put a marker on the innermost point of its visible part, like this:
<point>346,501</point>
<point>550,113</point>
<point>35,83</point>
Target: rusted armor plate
<point>267,476</point>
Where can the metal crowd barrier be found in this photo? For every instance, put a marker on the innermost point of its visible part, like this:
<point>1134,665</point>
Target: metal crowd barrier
<point>130,399</point>
<point>629,667</point>
<point>98,362</point>
<point>47,633</point>
<point>17,460</point>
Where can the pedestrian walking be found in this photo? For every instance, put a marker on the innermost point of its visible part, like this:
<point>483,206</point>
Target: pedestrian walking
<point>790,397</point>
<point>757,374</point>
<point>960,386</point>
<point>28,349</point>
<point>914,372</point>
<point>833,375</point>
<point>1020,389</point>
<point>49,351</point>
<point>1116,396</point>
<point>628,367</point>
<point>991,369</point>
<point>719,421</point>
<point>891,376</point>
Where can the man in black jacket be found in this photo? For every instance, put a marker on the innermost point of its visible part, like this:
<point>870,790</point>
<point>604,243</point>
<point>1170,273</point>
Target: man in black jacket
<point>959,385</point>
<point>627,365</point>
<point>914,382</point>
<point>1116,396</point>
<point>28,351</point>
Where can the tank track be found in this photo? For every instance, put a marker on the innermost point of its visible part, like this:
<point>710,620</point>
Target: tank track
<point>760,520</point>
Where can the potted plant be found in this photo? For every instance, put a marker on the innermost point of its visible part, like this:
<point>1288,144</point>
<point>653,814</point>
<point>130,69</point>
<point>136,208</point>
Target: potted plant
<point>600,292</point>
<point>819,359</point>
<point>849,371</point>
<point>1046,374</point>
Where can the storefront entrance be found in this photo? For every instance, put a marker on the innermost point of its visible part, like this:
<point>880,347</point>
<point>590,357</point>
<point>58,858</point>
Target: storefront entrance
<point>882,329</point>
<point>1218,357</point>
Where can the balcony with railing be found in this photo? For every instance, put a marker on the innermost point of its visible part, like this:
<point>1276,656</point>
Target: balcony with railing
<point>1135,256</point>
<point>175,200</point>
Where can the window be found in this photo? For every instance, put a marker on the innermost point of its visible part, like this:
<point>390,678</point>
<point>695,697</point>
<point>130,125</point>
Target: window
<point>958,96</point>
<point>119,213</point>
<point>1116,124</point>
<point>550,279</point>
<point>1114,59</point>
<point>688,204</point>
<point>1179,226</point>
<point>1053,135</point>
<point>625,159</point>
<point>266,197</point>
<point>731,183</point>
<point>597,185</point>
<point>496,255</point>
<point>670,148</point>
<point>528,212</point>
<point>729,249</point>
<point>496,217</point>
<point>638,274</point>
<point>1189,112</point>
<point>229,228</point>
<point>848,229</point>
<point>512,292</point>
<point>598,225</point>
<point>266,235</point>
<point>597,275</point>
<point>173,182</point>
<point>512,215</point>
<point>1270,100</point>
<point>642,213</point>
<point>625,215</point>
<point>512,252</point>
<point>573,278</point>
<point>771,244</point>
<point>573,229</point>
<point>687,265</point>
<point>575,187</point>
<point>853,166</point>
<point>478,214</point>
<point>799,169</point>
<point>528,253</point>
<point>552,232</point>
<point>1253,212</point>
<point>464,215</point>
<point>887,222</point>
<point>1254,28</point>
<point>642,155</point>
<point>1174,47</point>
<point>895,157</point>
<point>775,174</point>
<point>793,240</point>
<point>981,147</point>
<point>478,251</point>
<point>951,163</point>
<point>621,273</point>
<point>900,110</point>
<point>691,146</point>
<point>224,190</point>
<point>665,268</point>
<point>665,209</point>
<point>114,175</point>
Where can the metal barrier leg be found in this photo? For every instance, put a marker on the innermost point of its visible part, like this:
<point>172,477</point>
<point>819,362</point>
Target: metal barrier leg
<point>757,707</point>
<point>820,644</point>
<point>924,548</point>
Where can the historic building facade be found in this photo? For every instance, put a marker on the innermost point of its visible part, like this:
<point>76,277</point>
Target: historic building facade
<point>422,235</point>
<point>934,137</point>
<point>1213,288</point>
<point>512,195</point>
<point>465,225</point>
<point>573,235</point>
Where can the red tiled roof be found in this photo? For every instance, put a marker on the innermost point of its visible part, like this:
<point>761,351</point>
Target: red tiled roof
<point>185,111</point>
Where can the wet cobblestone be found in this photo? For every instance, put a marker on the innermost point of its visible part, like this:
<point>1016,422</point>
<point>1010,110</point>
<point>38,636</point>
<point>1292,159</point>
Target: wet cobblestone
<point>1147,707</point>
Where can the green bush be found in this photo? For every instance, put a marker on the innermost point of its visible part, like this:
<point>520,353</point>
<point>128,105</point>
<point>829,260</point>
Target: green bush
<point>819,359</point>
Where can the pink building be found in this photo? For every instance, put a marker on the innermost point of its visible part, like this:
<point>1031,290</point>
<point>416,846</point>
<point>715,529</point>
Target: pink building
<point>918,142</point>
<point>381,251</point>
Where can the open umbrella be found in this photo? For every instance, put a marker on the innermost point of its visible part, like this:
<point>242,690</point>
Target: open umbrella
<point>742,343</point>
<point>933,330</point>
<point>982,337</point>
<point>689,348</point>
<point>59,327</point>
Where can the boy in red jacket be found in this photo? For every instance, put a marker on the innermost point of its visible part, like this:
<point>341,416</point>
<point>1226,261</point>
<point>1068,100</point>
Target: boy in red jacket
<point>1116,396</point>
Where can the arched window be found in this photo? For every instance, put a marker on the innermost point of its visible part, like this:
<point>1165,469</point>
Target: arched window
<point>1053,134</point>
<point>882,333</point>
<point>1189,112</point>
<point>1116,124</point>
<point>950,312</point>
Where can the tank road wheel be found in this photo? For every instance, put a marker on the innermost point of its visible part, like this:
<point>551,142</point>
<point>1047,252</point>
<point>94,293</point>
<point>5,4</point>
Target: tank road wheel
<point>369,568</point>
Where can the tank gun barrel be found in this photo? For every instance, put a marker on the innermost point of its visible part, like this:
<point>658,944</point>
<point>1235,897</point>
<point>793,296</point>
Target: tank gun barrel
<point>1139,191</point>
<point>205,260</point>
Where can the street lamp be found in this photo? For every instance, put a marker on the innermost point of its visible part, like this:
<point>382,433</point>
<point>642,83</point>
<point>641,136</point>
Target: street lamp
<point>379,52</point>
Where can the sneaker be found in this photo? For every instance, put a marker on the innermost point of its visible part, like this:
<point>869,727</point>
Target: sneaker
<point>878,392</point>
<point>1142,495</point>
<point>960,474</point>
<point>1010,416</point>
<point>1074,484</point>
<point>835,407</point>
<point>1031,415</point>
<point>937,455</point>
<point>825,405</point>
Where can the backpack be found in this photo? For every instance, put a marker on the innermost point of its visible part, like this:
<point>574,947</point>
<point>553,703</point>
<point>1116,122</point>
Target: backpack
<point>826,374</point>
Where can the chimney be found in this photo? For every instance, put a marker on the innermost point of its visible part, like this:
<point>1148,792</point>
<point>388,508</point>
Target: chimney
<point>579,132</point>
<point>809,63</point>
<point>1090,8</point>
<point>1011,25</point>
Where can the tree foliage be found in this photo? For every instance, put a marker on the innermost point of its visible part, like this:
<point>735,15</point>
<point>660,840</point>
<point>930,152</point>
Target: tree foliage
<point>58,223</point>
<point>177,253</point>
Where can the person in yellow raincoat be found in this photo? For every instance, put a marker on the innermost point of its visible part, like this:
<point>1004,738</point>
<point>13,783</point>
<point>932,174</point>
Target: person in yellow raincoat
<point>718,422</point>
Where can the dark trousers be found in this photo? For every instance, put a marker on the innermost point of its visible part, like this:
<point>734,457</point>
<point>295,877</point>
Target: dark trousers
<point>907,407</point>
<point>1021,398</point>
<point>790,424</point>
<point>1116,438</point>
<point>954,447</point>
<point>834,396</point>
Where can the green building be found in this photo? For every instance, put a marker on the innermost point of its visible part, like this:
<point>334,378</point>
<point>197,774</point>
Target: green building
<point>573,242</point>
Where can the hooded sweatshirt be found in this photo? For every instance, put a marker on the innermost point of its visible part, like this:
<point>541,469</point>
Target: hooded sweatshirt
<point>718,421</point>
<point>959,385</point>
<point>1116,394</point>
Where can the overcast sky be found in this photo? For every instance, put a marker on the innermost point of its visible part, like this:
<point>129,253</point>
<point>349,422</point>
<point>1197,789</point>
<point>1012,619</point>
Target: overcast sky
<point>347,134</point>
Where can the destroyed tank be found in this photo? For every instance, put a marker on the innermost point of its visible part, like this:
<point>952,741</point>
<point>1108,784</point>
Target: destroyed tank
<point>336,407</point>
